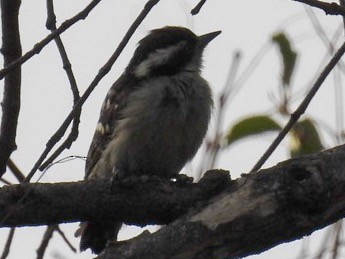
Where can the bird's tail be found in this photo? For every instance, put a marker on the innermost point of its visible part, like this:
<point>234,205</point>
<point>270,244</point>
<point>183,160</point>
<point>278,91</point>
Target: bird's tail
<point>95,235</point>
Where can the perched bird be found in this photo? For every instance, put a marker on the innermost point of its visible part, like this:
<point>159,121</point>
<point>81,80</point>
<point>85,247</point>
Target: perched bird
<point>153,119</point>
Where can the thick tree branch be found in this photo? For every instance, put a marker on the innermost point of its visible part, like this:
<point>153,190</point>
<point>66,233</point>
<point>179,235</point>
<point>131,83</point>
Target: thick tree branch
<point>216,218</point>
<point>276,205</point>
<point>152,201</point>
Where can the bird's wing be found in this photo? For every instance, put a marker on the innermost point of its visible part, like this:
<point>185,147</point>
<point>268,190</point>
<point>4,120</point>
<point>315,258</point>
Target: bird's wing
<point>114,102</point>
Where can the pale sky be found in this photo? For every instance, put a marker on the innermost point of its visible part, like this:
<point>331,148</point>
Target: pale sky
<point>246,27</point>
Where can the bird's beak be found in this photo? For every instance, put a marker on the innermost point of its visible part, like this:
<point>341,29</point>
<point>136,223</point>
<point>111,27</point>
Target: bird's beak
<point>205,39</point>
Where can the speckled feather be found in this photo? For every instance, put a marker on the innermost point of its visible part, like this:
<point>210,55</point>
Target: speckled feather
<point>114,102</point>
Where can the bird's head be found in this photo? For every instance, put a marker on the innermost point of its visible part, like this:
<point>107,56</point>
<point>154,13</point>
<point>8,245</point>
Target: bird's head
<point>168,51</point>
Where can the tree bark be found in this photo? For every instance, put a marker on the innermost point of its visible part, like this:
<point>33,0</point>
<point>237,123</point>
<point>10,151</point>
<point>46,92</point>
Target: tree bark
<point>216,218</point>
<point>11,50</point>
<point>260,211</point>
<point>134,201</point>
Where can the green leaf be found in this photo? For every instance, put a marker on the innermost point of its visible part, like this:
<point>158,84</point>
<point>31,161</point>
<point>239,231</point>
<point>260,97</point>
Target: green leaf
<point>251,126</point>
<point>305,139</point>
<point>288,55</point>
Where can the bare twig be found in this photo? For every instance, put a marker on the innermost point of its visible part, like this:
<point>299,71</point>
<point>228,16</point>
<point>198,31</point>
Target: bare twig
<point>102,72</point>
<point>329,8</point>
<point>335,37</point>
<point>69,244</point>
<point>5,181</point>
<point>255,61</point>
<point>213,145</point>
<point>329,43</point>
<point>337,228</point>
<point>318,29</point>
<point>50,24</point>
<point>242,78</point>
<point>338,105</point>
<point>40,45</point>
<point>51,17</point>
<point>304,249</point>
<point>302,107</point>
<point>8,244</point>
<point>48,236</point>
<point>342,4</point>
<point>45,241</point>
<point>11,50</point>
<point>15,170</point>
<point>323,247</point>
<point>198,7</point>
<point>223,99</point>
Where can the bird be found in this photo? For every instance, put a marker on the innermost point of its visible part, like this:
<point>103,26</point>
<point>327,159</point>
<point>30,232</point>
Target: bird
<point>153,119</point>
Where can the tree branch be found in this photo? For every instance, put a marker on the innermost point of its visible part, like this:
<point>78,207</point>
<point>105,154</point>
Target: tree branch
<point>215,218</point>
<point>8,244</point>
<point>73,135</point>
<point>48,234</point>
<point>155,201</point>
<point>329,8</point>
<point>198,7</point>
<point>11,50</point>
<point>267,208</point>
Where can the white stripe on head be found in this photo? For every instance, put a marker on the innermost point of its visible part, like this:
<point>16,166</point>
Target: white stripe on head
<point>158,57</point>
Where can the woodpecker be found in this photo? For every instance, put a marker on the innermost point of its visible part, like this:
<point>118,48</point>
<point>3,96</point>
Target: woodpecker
<point>153,119</point>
